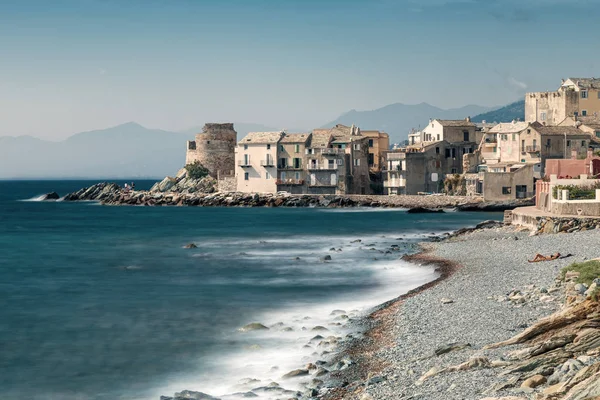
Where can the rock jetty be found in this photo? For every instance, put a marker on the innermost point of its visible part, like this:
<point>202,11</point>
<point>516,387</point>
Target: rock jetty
<point>187,192</point>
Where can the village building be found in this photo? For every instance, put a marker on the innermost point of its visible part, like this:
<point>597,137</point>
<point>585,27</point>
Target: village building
<point>575,97</point>
<point>379,144</point>
<point>452,131</point>
<point>291,156</point>
<point>256,160</point>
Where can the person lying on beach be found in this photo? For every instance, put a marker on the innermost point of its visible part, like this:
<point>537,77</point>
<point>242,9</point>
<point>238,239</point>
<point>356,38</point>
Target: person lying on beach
<point>539,257</point>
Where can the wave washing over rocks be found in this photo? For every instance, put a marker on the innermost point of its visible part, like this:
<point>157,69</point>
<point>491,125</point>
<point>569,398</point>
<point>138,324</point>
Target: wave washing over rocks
<point>498,328</point>
<point>290,351</point>
<point>112,194</point>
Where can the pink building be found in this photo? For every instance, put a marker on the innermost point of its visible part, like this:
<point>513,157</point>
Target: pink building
<point>573,167</point>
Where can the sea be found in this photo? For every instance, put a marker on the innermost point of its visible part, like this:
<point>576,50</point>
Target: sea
<point>105,302</point>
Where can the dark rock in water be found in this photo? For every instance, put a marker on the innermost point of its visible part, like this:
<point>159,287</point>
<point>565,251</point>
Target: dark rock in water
<point>191,395</point>
<point>356,241</point>
<point>255,326</point>
<point>423,210</point>
<point>319,328</point>
<point>239,395</point>
<point>326,258</point>
<point>295,373</point>
<point>50,196</point>
<point>496,205</point>
<point>190,246</point>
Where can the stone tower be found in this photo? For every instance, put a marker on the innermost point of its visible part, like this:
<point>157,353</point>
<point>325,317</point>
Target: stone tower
<point>214,148</point>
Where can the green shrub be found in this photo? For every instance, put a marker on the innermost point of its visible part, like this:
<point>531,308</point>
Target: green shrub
<point>588,271</point>
<point>196,170</point>
<point>577,192</point>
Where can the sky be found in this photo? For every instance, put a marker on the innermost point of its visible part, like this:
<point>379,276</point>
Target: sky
<point>68,66</point>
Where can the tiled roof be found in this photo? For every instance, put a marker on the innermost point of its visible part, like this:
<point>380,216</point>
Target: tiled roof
<point>295,138</point>
<point>586,83</point>
<point>455,122</point>
<point>509,127</point>
<point>261,137</point>
<point>320,138</point>
<point>558,130</point>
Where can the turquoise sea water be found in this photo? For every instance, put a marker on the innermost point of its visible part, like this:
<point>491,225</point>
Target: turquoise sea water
<point>100,302</point>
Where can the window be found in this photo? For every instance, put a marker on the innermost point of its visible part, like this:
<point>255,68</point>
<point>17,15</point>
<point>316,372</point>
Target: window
<point>245,147</point>
<point>597,134</point>
<point>268,147</point>
<point>297,176</point>
<point>568,143</point>
<point>453,171</point>
<point>282,162</point>
<point>297,163</point>
<point>438,136</point>
<point>437,150</point>
<point>370,142</point>
<point>543,116</point>
<point>514,137</point>
<point>246,159</point>
<point>438,164</point>
<point>528,131</point>
<point>281,148</point>
<point>208,142</point>
<point>522,145</point>
<point>296,148</point>
<point>357,162</point>
<point>548,142</point>
<point>339,161</point>
<point>267,176</point>
<point>371,159</point>
<point>453,153</point>
<point>584,94</point>
<point>356,146</point>
<point>506,189</point>
<point>584,113</point>
<point>246,176</point>
<point>583,143</point>
<point>465,136</point>
<point>447,153</point>
<point>495,149</point>
<point>283,176</point>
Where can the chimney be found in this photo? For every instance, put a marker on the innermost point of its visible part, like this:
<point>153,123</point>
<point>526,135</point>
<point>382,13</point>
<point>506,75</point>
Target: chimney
<point>590,153</point>
<point>573,154</point>
<point>483,121</point>
<point>468,119</point>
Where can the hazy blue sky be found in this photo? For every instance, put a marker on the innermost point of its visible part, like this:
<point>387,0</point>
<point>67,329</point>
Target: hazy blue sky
<point>73,65</point>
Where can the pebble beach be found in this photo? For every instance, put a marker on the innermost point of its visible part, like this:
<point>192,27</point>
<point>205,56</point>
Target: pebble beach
<point>491,293</point>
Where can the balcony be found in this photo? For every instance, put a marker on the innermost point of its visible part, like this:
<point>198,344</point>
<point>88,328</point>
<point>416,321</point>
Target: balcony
<point>244,163</point>
<point>327,167</point>
<point>332,152</point>
<point>395,183</point>
<point>290,182</point>
<point>532,149</point>
<point>286,166</point>
<point>267,163</point>
<point>322,184</point>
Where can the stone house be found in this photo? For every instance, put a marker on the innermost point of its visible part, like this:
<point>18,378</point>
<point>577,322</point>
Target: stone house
<point>490,147</point>
<point>502,181</point>
<point>574,97</point>
<point>214,148</point>
<point>379,144</point>
<point>575,166</point>
<point>452,131</point>
<point>291,162</point>
<point>256,162</point>
<point>424,167</point>
<point>590,125</point>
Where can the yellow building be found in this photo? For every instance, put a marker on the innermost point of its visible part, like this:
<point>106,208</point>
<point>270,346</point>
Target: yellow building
<point>379,145</point>
<point>576,97</point>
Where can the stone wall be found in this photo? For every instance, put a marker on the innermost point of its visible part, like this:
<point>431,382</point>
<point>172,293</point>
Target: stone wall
<point>566,225</point>
<point>471,181</point>
<point>227,183</point>
<point>214,148</point>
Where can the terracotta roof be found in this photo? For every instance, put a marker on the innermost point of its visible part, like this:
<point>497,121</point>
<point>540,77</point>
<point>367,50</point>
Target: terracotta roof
<point>509,127</point>
<point>295,138</point>
<point>261,137</point>
<point>454,122</point>
<point>586,83</point>
<point>557,130</point>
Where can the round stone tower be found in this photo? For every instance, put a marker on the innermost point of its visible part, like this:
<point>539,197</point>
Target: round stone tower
<point>214,148</point>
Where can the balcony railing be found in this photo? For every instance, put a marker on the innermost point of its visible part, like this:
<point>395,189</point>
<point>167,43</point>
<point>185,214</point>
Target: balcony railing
<point>267,163</point>
<point>286,166</point>
<point>322,184</point>
<point>244,163</point>
<point>290,182</point>
<point>332,151</point>
<point>326,167</point>
<point>532,149</point>
<point>394,183</point>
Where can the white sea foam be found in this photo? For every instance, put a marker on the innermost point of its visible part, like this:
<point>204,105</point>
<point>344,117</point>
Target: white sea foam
<point>267,355</point>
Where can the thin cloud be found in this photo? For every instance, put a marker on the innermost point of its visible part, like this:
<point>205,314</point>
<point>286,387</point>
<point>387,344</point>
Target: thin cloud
<point>516,84</point>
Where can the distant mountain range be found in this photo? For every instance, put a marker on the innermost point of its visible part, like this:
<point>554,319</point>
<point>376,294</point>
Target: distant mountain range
<point>133,151</point>
<point>398,119</point>
<point>513,111</point>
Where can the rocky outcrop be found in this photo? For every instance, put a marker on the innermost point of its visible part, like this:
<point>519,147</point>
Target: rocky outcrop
<point>566,224</point>
<point>99,192</point>
<point>496,205</point>
<point>184,184</point>
<point>49,196</point>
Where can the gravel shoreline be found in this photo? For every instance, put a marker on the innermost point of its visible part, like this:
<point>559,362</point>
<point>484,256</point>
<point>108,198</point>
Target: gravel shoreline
<point>399,347</point>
